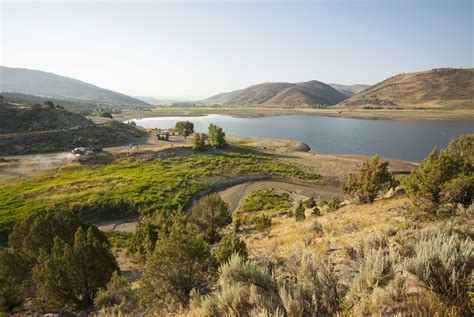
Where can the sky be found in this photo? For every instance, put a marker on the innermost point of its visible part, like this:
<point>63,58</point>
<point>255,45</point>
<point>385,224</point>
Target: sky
<point>196,49</point>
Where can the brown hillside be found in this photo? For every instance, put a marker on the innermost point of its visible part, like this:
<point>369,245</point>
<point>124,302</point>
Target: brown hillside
<point>438,88</point>
<point>288,95</point>
<point>21,118</point>
<point>39,129</point>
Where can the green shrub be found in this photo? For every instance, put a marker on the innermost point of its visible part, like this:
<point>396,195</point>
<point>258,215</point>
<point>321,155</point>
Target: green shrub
<point>116,296</point>
<point>73,273</point>
<point>310,202</point>
<point>334,203</point>
<point>262,222</point>
<point>371,178</point>
<point>300,212</point>
<point>211,212</point>
<point>316,212</point>
<point>180,262</point>
<point>229,245</point>
<point>11,295</point>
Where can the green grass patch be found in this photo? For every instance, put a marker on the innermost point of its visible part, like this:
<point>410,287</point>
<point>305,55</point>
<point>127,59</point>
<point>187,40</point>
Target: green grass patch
<point>266,199</point>
<point>132,186</point>
<point>118,239</point>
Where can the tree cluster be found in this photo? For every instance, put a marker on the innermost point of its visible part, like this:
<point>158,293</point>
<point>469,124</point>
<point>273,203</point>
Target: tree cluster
<point>444,179</point>
<point>64,260</point>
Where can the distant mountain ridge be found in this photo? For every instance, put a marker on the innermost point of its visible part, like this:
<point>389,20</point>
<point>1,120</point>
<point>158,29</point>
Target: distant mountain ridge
<point>349,90</point>
<point>281,94</point>
<point>41,83</point>
<point>438,88</point>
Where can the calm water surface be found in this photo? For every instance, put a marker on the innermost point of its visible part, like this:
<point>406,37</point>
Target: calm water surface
<point>405,140</point>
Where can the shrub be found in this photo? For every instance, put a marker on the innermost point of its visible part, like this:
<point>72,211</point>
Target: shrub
<point>229,245</point>
<point>106,114</point>
<point>316,276</point>
<point>49,104</point>
<point>11,295</point>
<point>443,262</point>
<point>334,203</point>
<point>243,288</point>
<point>310,202</point>
<point>73,273</point>
<point>211,212</point>
<point>371,178</point>
<point>117,296</point>
<point>316,212</point>
<point>180,263</point>
<point>199,141</point>
<point>300,212</point>
<point>376,270</point>
<point>216,136</point>
<point>317,227</point>
<point>184,128</point>
<point>262,222</point>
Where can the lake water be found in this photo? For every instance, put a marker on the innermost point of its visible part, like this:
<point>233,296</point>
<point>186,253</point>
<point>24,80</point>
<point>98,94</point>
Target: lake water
<point>409,140</point>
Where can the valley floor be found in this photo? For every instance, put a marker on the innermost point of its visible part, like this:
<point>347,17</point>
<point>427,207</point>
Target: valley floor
<point>385,114</point>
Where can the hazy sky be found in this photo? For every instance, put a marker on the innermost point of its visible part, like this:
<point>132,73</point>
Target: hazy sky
<point>196,49</point>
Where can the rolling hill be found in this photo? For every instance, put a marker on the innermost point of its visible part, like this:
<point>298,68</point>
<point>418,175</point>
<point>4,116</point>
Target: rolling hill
<point>281,94</point>
<point>45,84</point>
<point>438,88</point>
<point>223,97</point>
<point>349,90</point>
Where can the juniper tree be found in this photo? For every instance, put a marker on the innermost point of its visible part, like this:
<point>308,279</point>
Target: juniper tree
<point>181,262</point>
<point>73,273</point>
<point>371,178</point>
<point>300,212</point>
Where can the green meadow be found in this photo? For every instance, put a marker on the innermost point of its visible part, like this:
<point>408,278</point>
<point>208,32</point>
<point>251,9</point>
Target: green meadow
<point>133,185</point>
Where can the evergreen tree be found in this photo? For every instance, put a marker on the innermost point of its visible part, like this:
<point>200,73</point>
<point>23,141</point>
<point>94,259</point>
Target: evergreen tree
<point>300,212</point>
<point>371,178</point>
<point>216,136</point>
<point>180,263</point>
<point>73,273</point>
<point>444,178</point>
<point>211,212</point>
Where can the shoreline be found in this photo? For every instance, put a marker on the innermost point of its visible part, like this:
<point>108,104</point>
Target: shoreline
<point>382,114</point>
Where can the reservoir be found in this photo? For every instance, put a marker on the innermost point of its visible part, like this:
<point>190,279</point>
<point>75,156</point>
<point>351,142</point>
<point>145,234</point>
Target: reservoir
<point>409,140</point>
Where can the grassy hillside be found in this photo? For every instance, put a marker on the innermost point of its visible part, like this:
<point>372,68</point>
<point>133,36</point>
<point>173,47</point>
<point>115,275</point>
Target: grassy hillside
<point>51,85</point>
<point>438,88</point>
